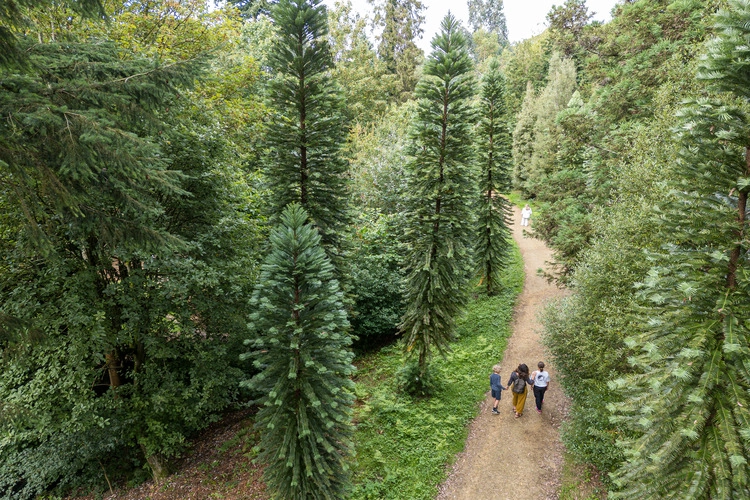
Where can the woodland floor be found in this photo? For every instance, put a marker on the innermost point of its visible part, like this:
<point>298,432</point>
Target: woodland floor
<point>498,444</point>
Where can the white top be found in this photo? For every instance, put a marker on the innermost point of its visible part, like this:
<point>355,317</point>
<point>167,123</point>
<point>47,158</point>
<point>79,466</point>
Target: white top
<point>541,379</point>
<point>526,212</point>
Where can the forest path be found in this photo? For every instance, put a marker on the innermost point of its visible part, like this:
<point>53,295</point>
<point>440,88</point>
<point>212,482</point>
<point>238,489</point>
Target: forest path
<point>486,469</point>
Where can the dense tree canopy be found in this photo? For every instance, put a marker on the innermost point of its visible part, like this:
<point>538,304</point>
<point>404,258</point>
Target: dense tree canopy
<point>146,148</point>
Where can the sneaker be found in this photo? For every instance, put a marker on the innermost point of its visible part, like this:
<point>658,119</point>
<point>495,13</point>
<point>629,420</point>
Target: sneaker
<point>539,412</point>
<point>495,412</point>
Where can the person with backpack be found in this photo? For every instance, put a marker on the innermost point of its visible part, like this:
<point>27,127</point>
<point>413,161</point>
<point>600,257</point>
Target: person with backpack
<point>496,387</point>
<point>541,383</point>
<point>517,383</point>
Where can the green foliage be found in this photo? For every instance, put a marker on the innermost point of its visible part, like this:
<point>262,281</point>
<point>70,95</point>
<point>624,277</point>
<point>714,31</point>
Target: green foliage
<point>442,190</point>
<point>489,16</point>
<point>493,241</point>
<point>130,238</point>
<point>404,445</point>
<point>301,350</point>
<point>401,22</point>
<point>586,332</point>
<point>563,215</point>
<point>567,24</point>
<point>367,84</point>
<point>523,64</point>
<point>695,303</point>
<point>377,279</point>
<point>57,114</point>
<point>378,154</point>
<point>303,161</point>
<point>554,98</point>
<point>523,140</point>
<point>14,18</point>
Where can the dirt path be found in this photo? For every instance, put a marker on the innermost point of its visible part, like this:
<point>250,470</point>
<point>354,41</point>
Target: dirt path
<point>496,442</point>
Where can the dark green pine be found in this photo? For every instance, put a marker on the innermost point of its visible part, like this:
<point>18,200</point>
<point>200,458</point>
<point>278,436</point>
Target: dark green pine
<point>302,352</point>
<point>304,162</point>
<point>493,243</point>
<point>442,188</point>
<point>687,406</point>
<point>77,143</point>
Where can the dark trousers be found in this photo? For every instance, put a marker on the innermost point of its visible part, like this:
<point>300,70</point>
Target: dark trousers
<point>539,396</point>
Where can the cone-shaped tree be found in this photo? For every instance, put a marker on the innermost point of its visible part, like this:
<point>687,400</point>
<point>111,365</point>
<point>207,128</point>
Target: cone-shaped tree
<point>442,186</point>
<point>688,405</point>
<point>494,145</point>
<point>302,352</point>
<point>304,164</point>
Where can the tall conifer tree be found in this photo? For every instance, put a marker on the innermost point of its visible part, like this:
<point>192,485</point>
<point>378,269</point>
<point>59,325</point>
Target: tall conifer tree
<point>401,21</point>
<point>688,405</point>
<point>302,351</point>
<point>442,187</point>
<point>488,15</point>
<point>304,163</point>
<point>494,145</point>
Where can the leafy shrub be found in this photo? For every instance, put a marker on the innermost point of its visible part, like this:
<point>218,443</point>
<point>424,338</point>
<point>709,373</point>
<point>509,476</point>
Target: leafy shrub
<point>377,279</point>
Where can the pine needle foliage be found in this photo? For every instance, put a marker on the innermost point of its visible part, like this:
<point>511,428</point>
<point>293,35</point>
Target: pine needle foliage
<point>304,164</point>
<point>689,404</point>
<point>494,141</point>
<point>302,352</point>
<point>77,142</point>
<point>442,187</point>
<point>13,20</point>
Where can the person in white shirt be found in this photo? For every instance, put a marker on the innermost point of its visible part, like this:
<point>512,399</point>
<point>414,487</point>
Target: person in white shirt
<point>525,215</point>
<point>541,383</point>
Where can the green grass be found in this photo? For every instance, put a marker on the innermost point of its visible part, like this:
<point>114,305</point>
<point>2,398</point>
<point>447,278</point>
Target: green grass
<point>580,482</point>
<point>404,444</point>
<point>517,198</point>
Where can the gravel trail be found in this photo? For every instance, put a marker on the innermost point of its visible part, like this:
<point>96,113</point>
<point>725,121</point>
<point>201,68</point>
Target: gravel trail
<point>498,444</point>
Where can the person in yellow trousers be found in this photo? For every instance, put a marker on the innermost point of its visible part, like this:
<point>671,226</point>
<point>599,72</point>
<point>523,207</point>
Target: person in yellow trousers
<point>517,382</point>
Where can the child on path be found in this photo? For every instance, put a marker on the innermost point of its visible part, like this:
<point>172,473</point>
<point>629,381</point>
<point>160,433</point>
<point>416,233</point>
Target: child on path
<point>517,382</point>
<point>525,215</point>
<point>541,383</point>
<point>496,387</point>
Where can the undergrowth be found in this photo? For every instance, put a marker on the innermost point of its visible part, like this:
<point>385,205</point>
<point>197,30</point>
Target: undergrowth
<point>404,445</point>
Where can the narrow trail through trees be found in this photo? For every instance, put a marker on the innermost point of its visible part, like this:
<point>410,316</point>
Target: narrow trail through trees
<point>507,457</point>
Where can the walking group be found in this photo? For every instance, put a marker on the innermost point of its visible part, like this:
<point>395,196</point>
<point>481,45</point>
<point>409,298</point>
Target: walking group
<point>517,383</point>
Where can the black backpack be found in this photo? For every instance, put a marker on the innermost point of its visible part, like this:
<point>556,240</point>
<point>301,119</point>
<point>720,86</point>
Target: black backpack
<point>519,385</point>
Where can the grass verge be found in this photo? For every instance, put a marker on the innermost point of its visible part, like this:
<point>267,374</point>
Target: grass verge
<point>580,482</point>
<point>404,444</point>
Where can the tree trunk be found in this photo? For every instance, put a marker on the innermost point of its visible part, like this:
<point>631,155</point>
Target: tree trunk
<point>158,464</point>
<point>114,377</point>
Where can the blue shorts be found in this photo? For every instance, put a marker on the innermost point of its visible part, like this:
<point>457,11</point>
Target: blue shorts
<point>496,393</point>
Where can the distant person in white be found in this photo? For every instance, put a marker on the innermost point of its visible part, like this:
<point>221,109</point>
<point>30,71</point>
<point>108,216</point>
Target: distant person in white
<point>541,382</point>
<point>525,215</point>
